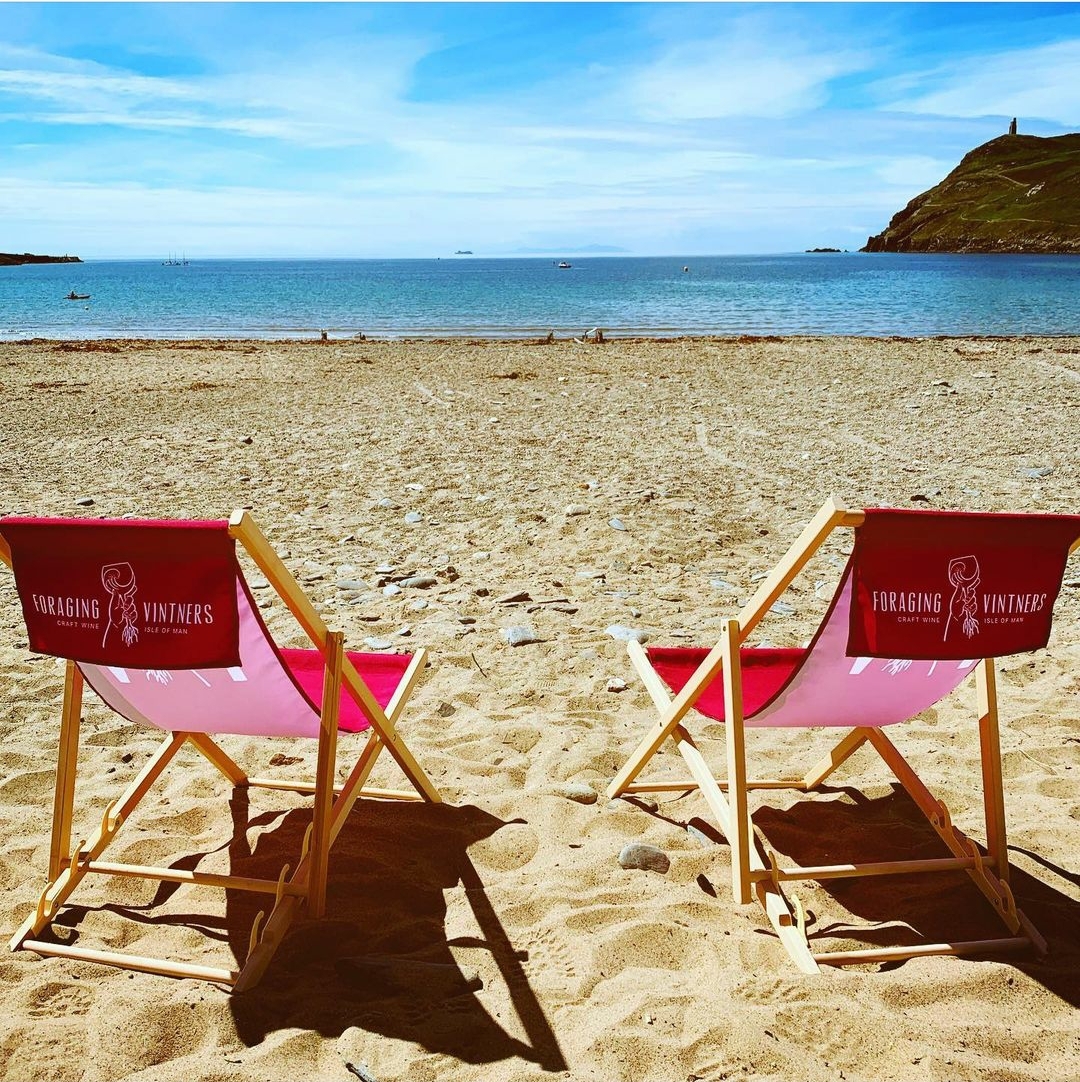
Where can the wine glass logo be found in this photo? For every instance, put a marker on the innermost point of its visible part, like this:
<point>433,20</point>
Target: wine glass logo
<point>963,608</point>
<point>119,580</point>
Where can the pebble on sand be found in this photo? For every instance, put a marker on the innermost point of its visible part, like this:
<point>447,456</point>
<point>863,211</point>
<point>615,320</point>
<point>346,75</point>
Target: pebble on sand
<point>647,858</point>
<point>627,634</point>
<point>520,636</point>
<point>511,599</point>
<point>420,582</point>
<point>577,791</point>
<point>378,644</point>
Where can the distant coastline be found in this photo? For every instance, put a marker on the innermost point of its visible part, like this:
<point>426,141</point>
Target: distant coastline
<point>10,259</point>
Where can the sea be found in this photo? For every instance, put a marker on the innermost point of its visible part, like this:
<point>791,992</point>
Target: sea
<point>469,296</point>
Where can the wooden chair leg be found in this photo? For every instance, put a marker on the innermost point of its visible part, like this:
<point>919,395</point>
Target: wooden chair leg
<point>993,887</point>
<point>214,754</point>
<point>67,760</point>
<point>739,840</point>
<point>835,757</point>
<point>990,746</point>
<point>60,888</point>
<point>324,779</point>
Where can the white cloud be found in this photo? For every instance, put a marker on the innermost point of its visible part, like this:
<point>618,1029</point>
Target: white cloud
<point>341,98</point>
<point>97,85</point>
<point>1041,82</point>
<point>740,74</point>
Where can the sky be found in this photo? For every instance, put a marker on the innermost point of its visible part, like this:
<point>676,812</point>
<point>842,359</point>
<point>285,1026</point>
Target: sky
<point>416,130</point>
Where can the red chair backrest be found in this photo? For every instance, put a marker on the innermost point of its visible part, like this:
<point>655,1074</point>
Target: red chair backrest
<point>949,585</point>
<point>138,594</point>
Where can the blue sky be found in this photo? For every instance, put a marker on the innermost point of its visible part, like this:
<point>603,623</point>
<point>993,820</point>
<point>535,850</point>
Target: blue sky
<point>137,130</point>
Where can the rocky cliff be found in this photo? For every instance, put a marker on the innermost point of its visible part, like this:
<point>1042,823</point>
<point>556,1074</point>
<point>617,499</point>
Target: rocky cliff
<point>9,259</point>
<point>1017,193</point>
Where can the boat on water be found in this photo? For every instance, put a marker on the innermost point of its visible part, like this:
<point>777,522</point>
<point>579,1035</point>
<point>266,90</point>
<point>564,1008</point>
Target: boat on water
<point>172,261</point>
<point>564,265</point>
<point>73,296</point>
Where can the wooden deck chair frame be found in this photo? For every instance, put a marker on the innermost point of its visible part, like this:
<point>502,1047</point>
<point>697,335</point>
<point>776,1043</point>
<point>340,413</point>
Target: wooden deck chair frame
<point>69,864</point>
<point>762,877</point>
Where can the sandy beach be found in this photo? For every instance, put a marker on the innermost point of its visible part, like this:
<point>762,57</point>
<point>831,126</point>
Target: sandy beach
<point>496,937</point>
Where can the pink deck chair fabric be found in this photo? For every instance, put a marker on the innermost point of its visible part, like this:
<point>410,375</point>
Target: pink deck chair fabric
<point>820,685</point>
<point>271,692</point>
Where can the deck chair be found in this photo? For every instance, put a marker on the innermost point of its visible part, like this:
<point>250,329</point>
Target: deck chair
<point>158,619</point>
<point>926,598</point>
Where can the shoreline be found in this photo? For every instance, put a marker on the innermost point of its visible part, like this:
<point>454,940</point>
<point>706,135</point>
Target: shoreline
<point>515,339</point>
<point>712,454</point>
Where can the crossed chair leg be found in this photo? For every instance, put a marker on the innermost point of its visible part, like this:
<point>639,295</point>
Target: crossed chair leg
<point>756,871</point>
<point>69,865</point>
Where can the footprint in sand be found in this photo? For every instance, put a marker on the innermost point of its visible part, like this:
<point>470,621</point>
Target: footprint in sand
<point>647,943</point>
<point>56,999</point>
<point>771,990</point>
<point>549,953</point>
<point>840,1033</point>
<point>508,849</point>
<point>27,788</point>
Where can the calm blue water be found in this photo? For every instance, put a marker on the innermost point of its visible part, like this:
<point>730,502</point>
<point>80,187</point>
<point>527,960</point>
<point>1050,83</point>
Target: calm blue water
<point>858,294</point>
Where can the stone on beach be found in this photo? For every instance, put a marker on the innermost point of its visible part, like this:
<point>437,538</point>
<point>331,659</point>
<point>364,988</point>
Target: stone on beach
<point>520,636</point>
<point>578,792</point>
<point>349,584</point>
<point>627,634</point>
<point>510,599</point>
<point>646,858</point>
<point>722,586</point>
<point>419,582</point>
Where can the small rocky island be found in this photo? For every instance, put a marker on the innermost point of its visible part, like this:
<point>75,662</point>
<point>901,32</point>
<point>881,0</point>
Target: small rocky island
<point>9,259</point>
<point>1017,193</point>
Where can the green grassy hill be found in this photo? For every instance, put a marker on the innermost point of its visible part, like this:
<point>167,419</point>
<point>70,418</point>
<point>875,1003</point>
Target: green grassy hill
<point>1017,193</point>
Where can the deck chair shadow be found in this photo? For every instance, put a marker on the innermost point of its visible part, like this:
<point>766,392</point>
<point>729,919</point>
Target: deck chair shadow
<point>158,619</point>
<point>926,599</point>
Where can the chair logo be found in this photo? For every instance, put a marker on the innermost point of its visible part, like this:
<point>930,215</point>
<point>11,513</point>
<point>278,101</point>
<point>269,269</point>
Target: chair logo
<point>964,576</point>
<point>119,580</point>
